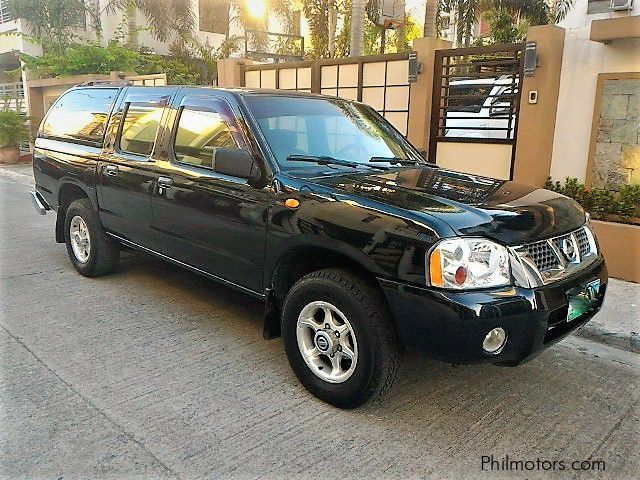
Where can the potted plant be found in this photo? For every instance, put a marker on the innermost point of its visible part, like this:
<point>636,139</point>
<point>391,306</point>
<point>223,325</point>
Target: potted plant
<point>13,131</point>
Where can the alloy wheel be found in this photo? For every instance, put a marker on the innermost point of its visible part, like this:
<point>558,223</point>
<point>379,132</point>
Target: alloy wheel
<point>327,342</point>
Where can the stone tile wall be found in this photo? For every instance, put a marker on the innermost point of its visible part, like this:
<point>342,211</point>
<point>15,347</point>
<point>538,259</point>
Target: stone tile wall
<point>617,155</point>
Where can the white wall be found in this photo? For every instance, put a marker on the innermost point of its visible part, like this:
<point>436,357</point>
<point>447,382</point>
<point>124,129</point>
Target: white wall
<point>110,24</point>
<point>582,61</point>
<point>577,16</point>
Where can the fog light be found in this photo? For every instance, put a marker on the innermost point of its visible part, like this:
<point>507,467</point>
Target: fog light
<point>495,340</point>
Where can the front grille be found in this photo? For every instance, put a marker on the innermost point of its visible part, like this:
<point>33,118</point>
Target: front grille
<point>557,257</point>
<point>543,255</point>
<point>583,242</point>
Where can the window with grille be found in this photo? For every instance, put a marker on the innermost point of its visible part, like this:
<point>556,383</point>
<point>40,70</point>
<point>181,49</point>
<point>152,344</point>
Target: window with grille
<point>4,11</point>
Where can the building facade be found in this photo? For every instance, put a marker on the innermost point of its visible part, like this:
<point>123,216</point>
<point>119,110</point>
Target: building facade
<point>598,114</point>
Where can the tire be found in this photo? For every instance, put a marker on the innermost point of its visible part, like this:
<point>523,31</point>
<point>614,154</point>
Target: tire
<point>356,309</point>
<point>102,255</point>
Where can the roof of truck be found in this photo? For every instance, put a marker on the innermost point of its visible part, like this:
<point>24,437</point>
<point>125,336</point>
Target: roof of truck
<point>242,91</point>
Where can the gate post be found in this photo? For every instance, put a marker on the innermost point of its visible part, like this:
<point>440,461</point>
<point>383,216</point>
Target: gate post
<point>537,121</point>
<point>420,96</point>
<point>229,71</point>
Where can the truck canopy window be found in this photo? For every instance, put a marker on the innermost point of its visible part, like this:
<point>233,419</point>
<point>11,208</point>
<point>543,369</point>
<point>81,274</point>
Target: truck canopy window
<point>80,115</point>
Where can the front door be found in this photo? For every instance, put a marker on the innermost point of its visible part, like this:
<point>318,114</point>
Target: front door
<point>208,220</point>
<point>126,172</point>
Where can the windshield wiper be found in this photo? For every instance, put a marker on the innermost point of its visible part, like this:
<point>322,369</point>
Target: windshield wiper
<point>393,160</point>
<point>326,160</point>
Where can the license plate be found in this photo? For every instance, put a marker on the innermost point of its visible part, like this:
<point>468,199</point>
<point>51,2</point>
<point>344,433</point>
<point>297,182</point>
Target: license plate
<point>582,299</point>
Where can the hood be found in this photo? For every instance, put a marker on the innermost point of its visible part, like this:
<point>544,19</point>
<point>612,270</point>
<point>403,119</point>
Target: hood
<point>506,211</point>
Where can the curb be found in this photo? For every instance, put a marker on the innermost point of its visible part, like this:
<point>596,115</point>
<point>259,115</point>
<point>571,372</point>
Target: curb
<point>629,342</point>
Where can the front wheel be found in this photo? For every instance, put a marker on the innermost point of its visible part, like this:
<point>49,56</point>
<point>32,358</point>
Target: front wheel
<point>339,338</point>
<point>90,251</point>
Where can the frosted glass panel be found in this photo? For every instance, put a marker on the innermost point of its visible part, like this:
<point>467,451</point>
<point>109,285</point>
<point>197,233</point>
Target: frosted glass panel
<point>397,98</point>
<point>329,76</point>
<point>350,93</point>
<point>304,78</point>
<point>398,120</point>
<point>348,75</point>
<point>268,79</point>
<point>374,96</point>
<point>398,72</point>
<point>329,91</point>
<point>373,73</point>
<point>252,79</point>
<point>288,78</point>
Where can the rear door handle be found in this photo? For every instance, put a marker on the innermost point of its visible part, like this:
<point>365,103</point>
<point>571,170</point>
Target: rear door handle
<point>111,170</point>
<point>164,183</point>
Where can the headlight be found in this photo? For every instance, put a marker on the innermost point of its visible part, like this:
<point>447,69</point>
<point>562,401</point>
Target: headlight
<point>462,263</point>
<point>593,243</point>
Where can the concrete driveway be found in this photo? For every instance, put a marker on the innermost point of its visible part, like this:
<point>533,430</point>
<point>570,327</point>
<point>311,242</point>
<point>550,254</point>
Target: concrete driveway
<point>154,372</point>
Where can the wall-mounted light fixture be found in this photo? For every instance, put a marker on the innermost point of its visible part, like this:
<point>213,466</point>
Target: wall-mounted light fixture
<point>530,59</point>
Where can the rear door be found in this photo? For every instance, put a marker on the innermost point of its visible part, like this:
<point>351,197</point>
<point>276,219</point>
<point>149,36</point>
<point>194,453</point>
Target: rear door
<point>126,174</point>
<point>208,220</point>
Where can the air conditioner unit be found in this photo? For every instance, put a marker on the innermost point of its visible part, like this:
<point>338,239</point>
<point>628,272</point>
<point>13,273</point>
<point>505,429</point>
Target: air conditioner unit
<point>620,4</point>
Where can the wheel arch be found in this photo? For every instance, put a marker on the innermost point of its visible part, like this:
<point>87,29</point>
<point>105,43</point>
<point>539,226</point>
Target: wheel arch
<point>68,192</point>
<point>295,263</point>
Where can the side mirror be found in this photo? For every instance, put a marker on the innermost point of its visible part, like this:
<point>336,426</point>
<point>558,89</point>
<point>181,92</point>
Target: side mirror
<point>235,163</point>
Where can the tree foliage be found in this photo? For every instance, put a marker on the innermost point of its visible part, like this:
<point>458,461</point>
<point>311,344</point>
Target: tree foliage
<point>51,22</point>
<point>168,19</point>
<point>78,59</point>
<point>503,27</point>
<point>317,14</point>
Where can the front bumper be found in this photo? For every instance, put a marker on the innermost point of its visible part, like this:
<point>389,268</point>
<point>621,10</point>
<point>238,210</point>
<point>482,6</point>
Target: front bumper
<point>450,326</point>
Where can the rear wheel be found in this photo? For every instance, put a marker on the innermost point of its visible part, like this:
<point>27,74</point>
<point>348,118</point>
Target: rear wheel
<point>339,338</point>
<point>89,249</point>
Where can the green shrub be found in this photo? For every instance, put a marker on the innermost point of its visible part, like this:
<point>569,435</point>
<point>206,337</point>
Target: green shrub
<point>13,128</point>
<point>79,59</point>
<point>601,203</point>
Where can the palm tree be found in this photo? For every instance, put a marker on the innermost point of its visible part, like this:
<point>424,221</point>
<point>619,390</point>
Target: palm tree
<point>467,12</point>
<point>166,18</point>
<point>537,12</point>
<point>51,22</point>
<point>431,18</point>
<point>558,9</point>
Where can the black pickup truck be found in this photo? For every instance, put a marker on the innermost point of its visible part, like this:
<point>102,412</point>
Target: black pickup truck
<point>319,207</point>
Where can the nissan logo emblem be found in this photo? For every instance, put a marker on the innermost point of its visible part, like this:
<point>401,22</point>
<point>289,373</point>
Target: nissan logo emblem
<point>568,249</point>
<point>322,343</point>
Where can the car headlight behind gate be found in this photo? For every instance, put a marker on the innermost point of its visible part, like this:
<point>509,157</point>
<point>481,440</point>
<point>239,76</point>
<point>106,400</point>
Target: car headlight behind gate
<point>464,263</point>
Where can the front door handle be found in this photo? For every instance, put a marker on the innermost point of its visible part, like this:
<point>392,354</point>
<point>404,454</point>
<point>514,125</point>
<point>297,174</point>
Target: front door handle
<point>111,170</point>
<point>164,183</point>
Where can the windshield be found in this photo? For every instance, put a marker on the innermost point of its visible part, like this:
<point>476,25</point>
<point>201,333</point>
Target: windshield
<point>322,127</point>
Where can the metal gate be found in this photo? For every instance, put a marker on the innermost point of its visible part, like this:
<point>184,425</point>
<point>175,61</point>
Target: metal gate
<point>474,110</point>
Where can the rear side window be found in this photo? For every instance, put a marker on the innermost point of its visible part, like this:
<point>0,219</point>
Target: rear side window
<point>140,127</point>
<point>81,115</point>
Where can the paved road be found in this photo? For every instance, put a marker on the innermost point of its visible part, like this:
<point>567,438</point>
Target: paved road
<point>154,372</point>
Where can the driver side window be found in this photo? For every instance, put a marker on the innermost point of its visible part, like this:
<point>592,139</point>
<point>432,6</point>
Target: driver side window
<point>200,133</point>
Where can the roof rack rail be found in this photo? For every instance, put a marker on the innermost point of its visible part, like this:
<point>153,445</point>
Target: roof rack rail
<point>121,83</point>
